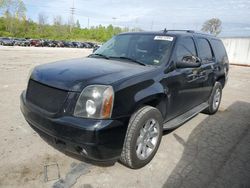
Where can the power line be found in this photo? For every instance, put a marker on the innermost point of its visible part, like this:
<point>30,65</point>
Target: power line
<point>72,12</point>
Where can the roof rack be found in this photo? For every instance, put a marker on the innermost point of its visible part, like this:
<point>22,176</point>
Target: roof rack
<point>188,31</point>
<point>179,30</point>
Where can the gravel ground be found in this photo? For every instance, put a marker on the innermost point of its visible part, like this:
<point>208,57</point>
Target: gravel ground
<point>207,151</point>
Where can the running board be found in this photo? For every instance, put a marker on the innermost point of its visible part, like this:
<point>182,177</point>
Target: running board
<point>176,122</point>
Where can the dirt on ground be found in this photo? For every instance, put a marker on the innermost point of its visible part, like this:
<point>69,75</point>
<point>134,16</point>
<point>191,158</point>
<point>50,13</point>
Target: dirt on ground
<point>207,151</point>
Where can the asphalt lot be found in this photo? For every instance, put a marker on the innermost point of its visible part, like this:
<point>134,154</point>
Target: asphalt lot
<point>207,151</point>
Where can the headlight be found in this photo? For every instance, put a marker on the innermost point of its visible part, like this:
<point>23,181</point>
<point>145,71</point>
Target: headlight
<point>95,101</point>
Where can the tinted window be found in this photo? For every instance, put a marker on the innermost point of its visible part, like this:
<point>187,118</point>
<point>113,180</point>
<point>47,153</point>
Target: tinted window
<point>205,52</point>
<point>185,47</point>
<point>219,50</point>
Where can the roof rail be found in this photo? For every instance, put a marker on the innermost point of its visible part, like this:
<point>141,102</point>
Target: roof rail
<point>189,31</point>
<point>179,30</point>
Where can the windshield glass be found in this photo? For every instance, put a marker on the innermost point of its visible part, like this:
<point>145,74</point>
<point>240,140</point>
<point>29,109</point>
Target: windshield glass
<point>145,48</point>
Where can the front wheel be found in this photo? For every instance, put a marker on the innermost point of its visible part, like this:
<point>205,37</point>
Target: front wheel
<point>143,137</point>
<point>214,100</point>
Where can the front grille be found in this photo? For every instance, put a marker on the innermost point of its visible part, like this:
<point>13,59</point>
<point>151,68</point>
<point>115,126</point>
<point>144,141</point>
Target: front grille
<point>45,97</point>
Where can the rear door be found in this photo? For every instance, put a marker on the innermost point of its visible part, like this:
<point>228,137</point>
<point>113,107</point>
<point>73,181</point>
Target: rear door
<point>208,64</point>
<point>222,64</point>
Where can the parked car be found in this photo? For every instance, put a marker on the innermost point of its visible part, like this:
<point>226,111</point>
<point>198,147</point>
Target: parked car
<point>52,43</point>
<point>68,44</point>
<point>59,44</point>
<point>116,103</point>
<point>46,43</point>
<point>77,44</point>
<point>36,42</point>
<point>91,44</point>
<point>5,41</point>
<point>21,42</point>
<point>96,47</point>
<point>84,45</point>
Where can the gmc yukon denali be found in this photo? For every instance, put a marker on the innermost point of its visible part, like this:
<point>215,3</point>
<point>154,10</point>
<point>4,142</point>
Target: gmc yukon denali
<point>115,103</point>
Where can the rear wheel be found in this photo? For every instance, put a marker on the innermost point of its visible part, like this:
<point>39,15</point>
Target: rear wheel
<point>214,100</point>
<point>143,137</point>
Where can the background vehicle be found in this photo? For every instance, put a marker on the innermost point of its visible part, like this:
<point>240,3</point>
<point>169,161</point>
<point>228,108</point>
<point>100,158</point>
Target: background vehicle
<point>45,43</point>
<point>90,45</point>
<point>68,44</point>
<point>116,103</point>
<point>77,44</point>
<point>6,41</point>
<point>36,43</point>
<point>21,42</point>
<point>59,44</point>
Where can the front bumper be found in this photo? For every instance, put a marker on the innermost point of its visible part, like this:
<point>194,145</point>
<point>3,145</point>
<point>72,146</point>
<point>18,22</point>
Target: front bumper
<point>100,140</point>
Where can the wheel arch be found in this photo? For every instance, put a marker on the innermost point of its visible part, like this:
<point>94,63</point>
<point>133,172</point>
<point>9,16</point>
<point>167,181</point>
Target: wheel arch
<point>222,80</point>
<point>158,101</point>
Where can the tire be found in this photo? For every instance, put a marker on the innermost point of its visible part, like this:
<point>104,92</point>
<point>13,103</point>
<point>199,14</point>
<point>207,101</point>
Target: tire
<point>143,137</point>
<point>214,100</point>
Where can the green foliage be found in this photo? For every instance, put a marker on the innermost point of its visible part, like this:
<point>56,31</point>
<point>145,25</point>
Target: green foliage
<point>15,27</point>
<point>13,23</point>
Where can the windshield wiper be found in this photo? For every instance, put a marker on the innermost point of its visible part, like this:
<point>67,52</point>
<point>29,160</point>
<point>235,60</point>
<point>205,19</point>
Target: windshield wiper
<point>130,59</point>
<point>100,55</point>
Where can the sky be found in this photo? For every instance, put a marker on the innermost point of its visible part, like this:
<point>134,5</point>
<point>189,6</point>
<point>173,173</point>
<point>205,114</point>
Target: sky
<point>149,14</point>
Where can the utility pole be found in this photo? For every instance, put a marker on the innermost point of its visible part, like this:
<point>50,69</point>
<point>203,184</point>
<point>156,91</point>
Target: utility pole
<point>72,13</point>
<point>88,22</point>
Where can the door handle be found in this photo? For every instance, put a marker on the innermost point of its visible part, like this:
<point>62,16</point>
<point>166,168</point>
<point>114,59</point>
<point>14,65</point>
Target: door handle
<point>192,77</point>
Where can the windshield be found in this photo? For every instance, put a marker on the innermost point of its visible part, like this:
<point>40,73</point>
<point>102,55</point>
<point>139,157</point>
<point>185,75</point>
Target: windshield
<point>145,48</point>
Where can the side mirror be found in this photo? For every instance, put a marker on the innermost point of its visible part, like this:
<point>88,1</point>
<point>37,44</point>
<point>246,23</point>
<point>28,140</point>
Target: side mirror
<point>189,62</point>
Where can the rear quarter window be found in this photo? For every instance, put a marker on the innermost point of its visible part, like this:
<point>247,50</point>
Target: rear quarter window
<point>219,50</point>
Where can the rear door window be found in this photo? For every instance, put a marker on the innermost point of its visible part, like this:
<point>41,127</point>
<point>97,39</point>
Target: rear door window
<point>205,52</point>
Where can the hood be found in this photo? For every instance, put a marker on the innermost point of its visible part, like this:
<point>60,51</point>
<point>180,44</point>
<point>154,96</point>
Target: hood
<point>75,74</point>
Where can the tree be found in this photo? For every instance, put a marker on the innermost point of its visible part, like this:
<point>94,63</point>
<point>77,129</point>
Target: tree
<point>19,9</point>
<point>14,12</point>
<point>78,24</point>
<point>16,8</point>
<point>58,31</point>
<point>42,19</point>
<point>58,21</point>
<point>212,26</point>
<point>3,3</point>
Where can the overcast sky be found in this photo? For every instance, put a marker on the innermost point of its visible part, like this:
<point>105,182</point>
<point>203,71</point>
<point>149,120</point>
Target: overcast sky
<point>149,14</point>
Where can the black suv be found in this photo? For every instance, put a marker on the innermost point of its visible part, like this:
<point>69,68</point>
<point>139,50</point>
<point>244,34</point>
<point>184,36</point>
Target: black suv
<point>115,103</point>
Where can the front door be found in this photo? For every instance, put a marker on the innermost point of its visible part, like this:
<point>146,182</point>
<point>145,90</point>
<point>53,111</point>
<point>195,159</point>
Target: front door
<point>185,84</point>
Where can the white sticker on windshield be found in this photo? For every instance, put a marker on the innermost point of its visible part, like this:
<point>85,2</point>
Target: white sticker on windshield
<point>168,38</point>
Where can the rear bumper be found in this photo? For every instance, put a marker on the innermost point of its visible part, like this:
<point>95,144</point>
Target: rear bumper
<point>100,140</point>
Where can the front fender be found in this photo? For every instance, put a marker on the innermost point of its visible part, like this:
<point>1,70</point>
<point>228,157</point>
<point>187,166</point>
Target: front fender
<point>129,99</point>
